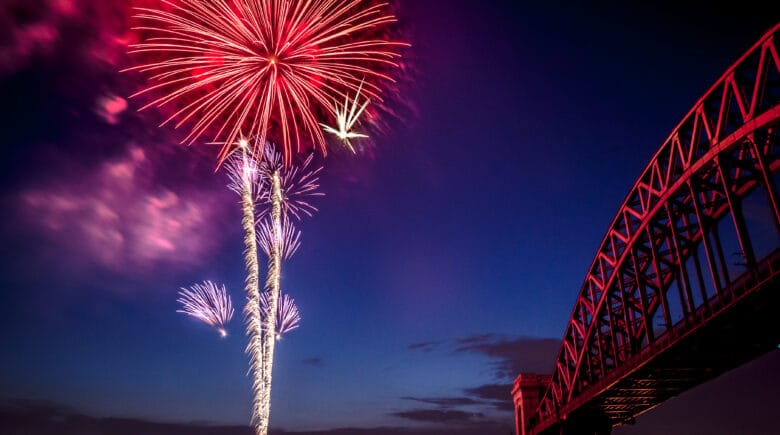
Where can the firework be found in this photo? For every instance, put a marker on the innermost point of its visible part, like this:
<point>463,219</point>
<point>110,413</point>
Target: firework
<point>298,184</point>
<point>209,303</point>
<point>290,238</point>
<point>273,69</point>
<point>243,171</point>
<point>284,191</point>
<point>287,315</point>
<point>346,117</point>
<point>273,287</point>
<point>281,191</point>
<point>269,68</point>
<point>243,174</point>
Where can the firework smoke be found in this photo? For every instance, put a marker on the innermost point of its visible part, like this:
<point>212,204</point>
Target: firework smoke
<point>209,303</point>
<point>287,315</point>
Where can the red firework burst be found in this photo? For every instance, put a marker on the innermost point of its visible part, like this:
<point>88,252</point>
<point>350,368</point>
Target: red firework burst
<point>267,69</point>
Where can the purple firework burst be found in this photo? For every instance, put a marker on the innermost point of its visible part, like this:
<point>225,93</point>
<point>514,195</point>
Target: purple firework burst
<point>290,237</point>
<point>299,183</point>
<point>287,315</point>
<point>209,303</point>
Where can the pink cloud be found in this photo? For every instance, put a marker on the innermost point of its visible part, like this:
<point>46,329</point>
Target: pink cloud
<point>27,41</point>
<point>44,27</point>
<point>109,107</point>
<point>120,218</point>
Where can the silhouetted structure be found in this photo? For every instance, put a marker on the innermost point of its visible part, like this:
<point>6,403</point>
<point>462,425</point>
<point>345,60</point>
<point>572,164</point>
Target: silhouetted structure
<point>527,392</point>
<point>685,283</point>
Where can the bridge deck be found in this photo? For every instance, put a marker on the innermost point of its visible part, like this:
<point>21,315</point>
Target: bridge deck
<point>723,334</point>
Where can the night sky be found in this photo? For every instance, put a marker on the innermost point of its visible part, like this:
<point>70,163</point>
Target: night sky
<point>439,265</point>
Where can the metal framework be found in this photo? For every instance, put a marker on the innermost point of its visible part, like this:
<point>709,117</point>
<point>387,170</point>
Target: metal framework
<point>664,271</point>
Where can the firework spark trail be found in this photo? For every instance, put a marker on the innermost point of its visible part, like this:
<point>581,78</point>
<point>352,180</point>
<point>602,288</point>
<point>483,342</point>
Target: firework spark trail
<point>287,315</point>
<point>290,237</point>
<point>273,287</point>
<point>272,69</point>
<point>269,68</point>
<point>243,171</point>
<point>298,183</point>
<point>284,191</point>
<point>208,302</point>
<point>243,174</point>
<point>346,117</point>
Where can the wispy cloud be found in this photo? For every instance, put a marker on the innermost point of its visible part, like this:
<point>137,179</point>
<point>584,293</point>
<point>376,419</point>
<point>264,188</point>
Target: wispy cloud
<point>496,395</point>
<point>439,415</point>
<point>444,402</point>
<point>425,346</point>
<point>118,216</point>
<point>488,396</point>
<point>40,29</point>
<point>109,107</point>
<point>512,355</point>
<point>509,355</point>
<point>44,418</point>
<point>314,361</point>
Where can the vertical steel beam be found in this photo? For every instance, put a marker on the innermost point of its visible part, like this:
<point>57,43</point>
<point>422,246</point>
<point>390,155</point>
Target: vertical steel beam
<point>769,185</point>
<point>696,262</point>
<point>659,282</point>
<point>643,300</point>
<point>735,205</point>
<point>613,328</point>
<point>683,281</point>
<point>600,341</point>
<point>721,257</point>
<point>628,316</point>
<point>705,241</point>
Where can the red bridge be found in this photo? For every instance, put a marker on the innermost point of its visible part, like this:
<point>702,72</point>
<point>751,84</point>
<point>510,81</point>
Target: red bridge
<point>686,283</point>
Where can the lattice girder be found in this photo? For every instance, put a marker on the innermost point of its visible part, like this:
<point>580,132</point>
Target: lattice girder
<point>724,147</point>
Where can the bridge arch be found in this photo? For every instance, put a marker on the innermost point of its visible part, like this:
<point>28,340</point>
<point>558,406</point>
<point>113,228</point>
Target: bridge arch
<point>664,273</point>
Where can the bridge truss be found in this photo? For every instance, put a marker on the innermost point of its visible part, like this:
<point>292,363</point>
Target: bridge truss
<point>690,258</point>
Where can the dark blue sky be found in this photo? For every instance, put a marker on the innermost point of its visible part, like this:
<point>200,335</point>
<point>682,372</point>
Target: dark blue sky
<point>436,268</point>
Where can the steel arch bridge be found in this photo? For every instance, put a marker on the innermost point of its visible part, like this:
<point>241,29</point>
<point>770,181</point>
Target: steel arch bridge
<point>686,281</point>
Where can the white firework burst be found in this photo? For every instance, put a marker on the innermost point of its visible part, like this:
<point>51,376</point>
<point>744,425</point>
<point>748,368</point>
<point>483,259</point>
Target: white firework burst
<point>298,183</point>
<point>209,303</point>
<point>290,237</point>
<point>346,117</point>
<point>287,315</point>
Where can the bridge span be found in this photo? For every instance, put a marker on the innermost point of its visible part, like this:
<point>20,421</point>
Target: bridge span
<point>686,282</point>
